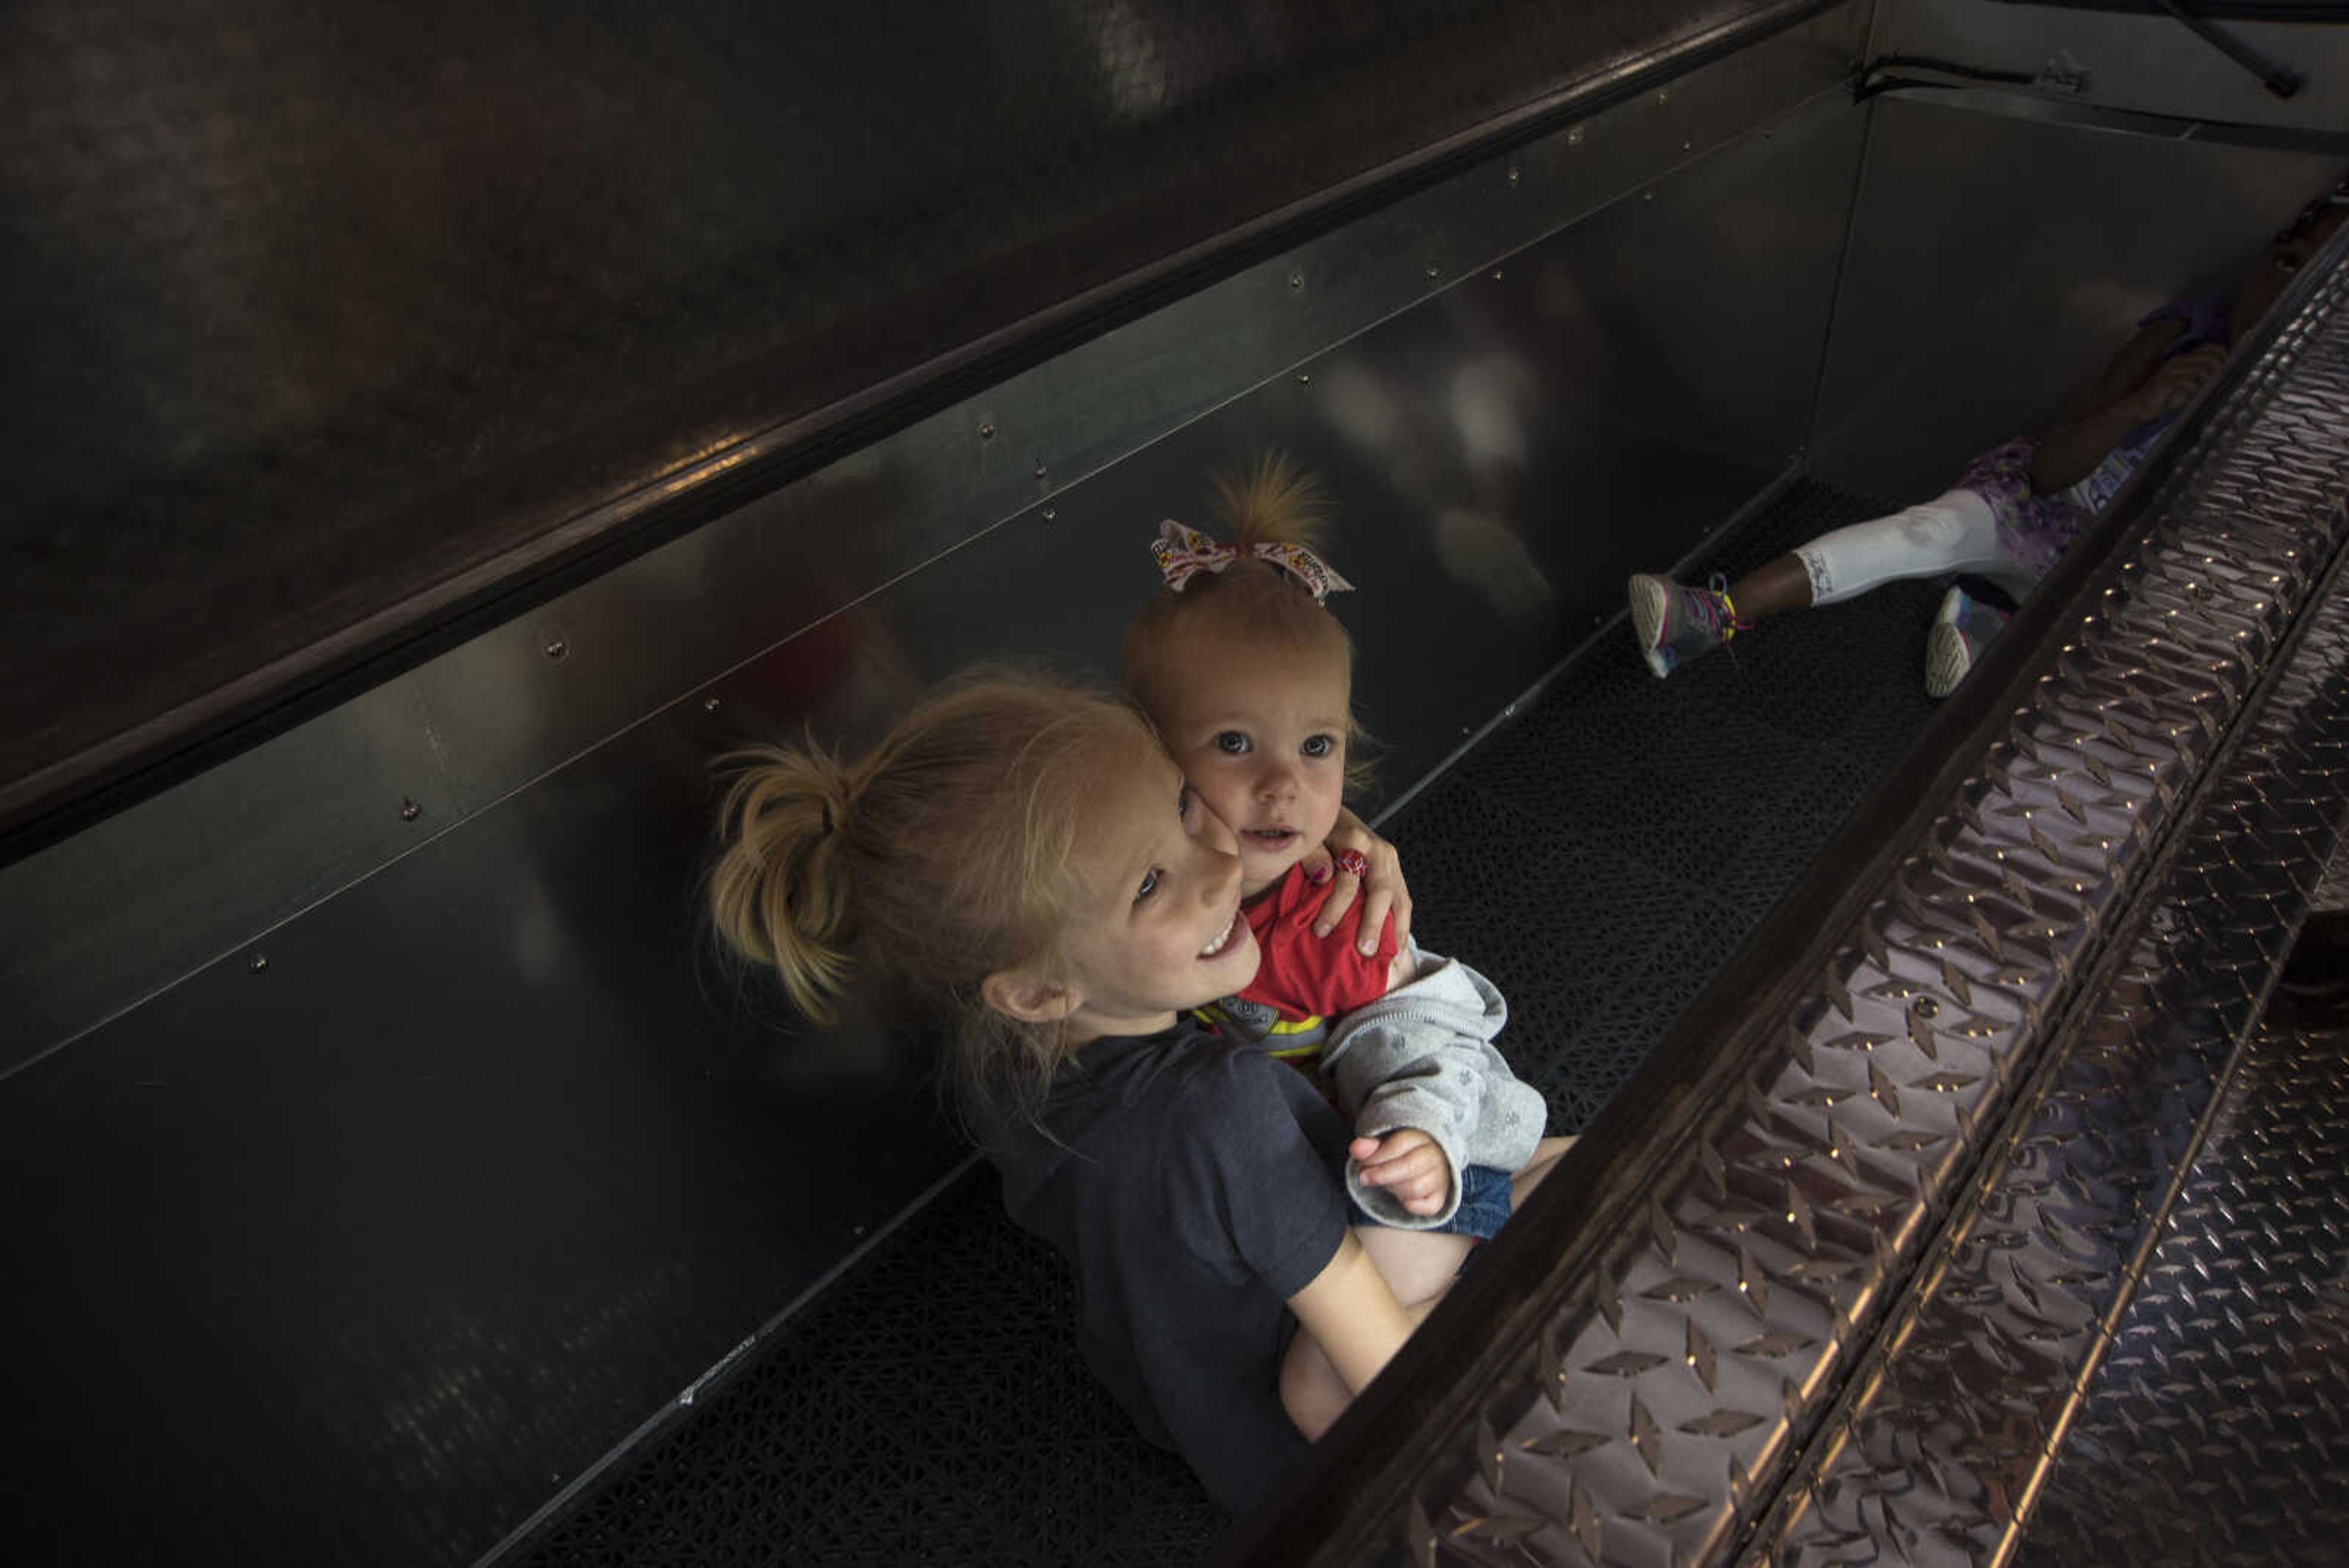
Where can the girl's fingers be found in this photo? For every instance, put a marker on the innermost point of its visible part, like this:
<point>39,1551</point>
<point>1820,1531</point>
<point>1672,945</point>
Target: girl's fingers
<point>1344,890</point>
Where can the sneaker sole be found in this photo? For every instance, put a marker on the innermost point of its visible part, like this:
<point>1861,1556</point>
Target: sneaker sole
<point>1946,659</point>
<point>1647,595</point>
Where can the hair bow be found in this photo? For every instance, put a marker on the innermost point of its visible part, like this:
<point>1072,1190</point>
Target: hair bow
<point>1184,553</point>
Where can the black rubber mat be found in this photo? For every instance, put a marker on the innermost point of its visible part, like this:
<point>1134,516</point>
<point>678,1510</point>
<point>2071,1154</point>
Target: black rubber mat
<point>1600,857</point>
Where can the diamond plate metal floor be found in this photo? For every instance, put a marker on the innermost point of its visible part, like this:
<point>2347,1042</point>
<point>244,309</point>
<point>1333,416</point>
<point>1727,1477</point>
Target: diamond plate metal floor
<point>1600,857</point>
<point>2217,1430</point>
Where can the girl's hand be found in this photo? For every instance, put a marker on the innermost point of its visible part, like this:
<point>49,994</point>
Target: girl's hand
<point>1382,890</point>
<point>2173,386</point>
<point>1407,1163</point>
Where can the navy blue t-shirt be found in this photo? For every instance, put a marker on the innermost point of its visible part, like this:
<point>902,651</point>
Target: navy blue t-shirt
<point>1193,1185</point>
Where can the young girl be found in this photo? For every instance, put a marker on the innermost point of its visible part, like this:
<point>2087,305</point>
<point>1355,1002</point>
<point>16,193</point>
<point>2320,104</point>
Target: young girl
<point>1249,680</point>
<point>2014,510</point>
<point>1028,859</point>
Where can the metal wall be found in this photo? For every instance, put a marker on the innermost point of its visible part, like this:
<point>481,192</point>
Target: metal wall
<point>91,926</point>
<point>436,1178</point>
<point>2142,61</point>
<point>330,323</point>
<point>1997,262</point>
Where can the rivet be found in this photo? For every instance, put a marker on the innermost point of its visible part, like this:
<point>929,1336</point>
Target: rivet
<point>1663,95</point>
<point>1515,174</point>
<point>556,648</point>
<point>1304,378</point>
<point>1688,147</point>
<point>260,962</point>
<point>409,810</point>
<point>1924,1007</point>
<point>987,431</point>
<point>1050,514</point>
<point>1296,280</point>
<point>709,704</point>
<point>1039,470</point>
<point>1573,136</point>
<point>1433,269</point>
<point>1647,195</point>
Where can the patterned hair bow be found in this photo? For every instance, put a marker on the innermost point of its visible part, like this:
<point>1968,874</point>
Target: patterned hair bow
<point>1184,553</point>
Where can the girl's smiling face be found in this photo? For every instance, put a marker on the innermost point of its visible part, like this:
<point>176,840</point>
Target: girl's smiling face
<point>1158,927</point>
<point>1261,735</point>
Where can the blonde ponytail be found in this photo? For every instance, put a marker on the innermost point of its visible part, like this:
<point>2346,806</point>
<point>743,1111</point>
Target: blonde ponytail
<point>776,894</point>
<point>944,856</point>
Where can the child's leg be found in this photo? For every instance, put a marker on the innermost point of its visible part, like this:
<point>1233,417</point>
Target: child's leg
<point>1953,533</point>
<point>1419,1267</point>
<point>1545,1157</point>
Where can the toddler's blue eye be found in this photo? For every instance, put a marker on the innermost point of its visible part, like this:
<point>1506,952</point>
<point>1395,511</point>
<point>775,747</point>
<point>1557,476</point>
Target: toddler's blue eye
<point>1318,745</point>
<point>1231,741</point>
<point>1149,885</point>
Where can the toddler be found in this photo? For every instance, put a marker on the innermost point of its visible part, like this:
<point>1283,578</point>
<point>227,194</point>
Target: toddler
<point>1249,680</point>
<point>1028,859</point>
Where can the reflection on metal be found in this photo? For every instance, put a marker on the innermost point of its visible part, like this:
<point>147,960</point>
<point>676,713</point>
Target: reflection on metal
<point>2214,1431</point>
<point>1947,1442</point>
<point>1996,324</point>
<point>1949,1439</point>
<point>90,926</point>
<point>1662,1415</point>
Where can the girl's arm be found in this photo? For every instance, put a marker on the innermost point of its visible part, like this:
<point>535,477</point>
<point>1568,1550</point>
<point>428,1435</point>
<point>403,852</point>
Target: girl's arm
<point>2069,452</point>
<point>1351,1315</point>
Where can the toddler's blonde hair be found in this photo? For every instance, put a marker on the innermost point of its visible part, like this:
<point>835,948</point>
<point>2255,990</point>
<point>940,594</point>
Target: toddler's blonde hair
<point>943,855</point>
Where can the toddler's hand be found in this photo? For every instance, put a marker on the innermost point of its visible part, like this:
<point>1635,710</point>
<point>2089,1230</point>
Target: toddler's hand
<point>1407,1163</point>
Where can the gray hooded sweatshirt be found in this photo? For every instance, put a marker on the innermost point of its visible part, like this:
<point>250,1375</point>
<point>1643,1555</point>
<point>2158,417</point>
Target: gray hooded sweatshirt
<point>1421,1056</point>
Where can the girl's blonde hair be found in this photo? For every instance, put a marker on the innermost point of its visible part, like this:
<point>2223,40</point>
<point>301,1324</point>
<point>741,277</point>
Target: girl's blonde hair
<point>1250,601</point>
<point>943,855</point>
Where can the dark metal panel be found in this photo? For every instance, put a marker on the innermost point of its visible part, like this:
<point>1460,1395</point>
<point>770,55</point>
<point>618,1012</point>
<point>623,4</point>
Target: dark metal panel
<point>329,321</point>
<point>268,832</point>
<point>355,1246</point>
<point>1996,263</point>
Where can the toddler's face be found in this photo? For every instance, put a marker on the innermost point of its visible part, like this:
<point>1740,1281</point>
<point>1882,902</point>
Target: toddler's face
<point>1161,929</point>
<point>1261,735</point>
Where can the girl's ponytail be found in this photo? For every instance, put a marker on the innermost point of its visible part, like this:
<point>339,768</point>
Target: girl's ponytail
<point>944,854</point>
<point>779,894</point>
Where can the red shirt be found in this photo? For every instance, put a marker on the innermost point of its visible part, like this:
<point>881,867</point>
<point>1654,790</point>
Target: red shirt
<point>1305,976</point>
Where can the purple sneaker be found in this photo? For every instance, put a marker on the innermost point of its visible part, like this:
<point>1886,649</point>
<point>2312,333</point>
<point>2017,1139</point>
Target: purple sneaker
<point>1675,623</point>
<point>1961,631</point>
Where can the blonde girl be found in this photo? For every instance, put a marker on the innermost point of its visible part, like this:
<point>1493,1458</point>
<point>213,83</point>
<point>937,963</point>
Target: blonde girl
<point>1250,680</point>
<point>1027,858</point>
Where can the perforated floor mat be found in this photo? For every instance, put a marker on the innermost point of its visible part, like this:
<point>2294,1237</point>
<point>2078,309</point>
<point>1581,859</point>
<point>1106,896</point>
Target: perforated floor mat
<point>1600,857</point>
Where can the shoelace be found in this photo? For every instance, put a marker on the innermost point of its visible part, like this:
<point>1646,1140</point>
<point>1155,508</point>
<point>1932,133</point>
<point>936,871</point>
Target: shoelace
<point>1713,607</point>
